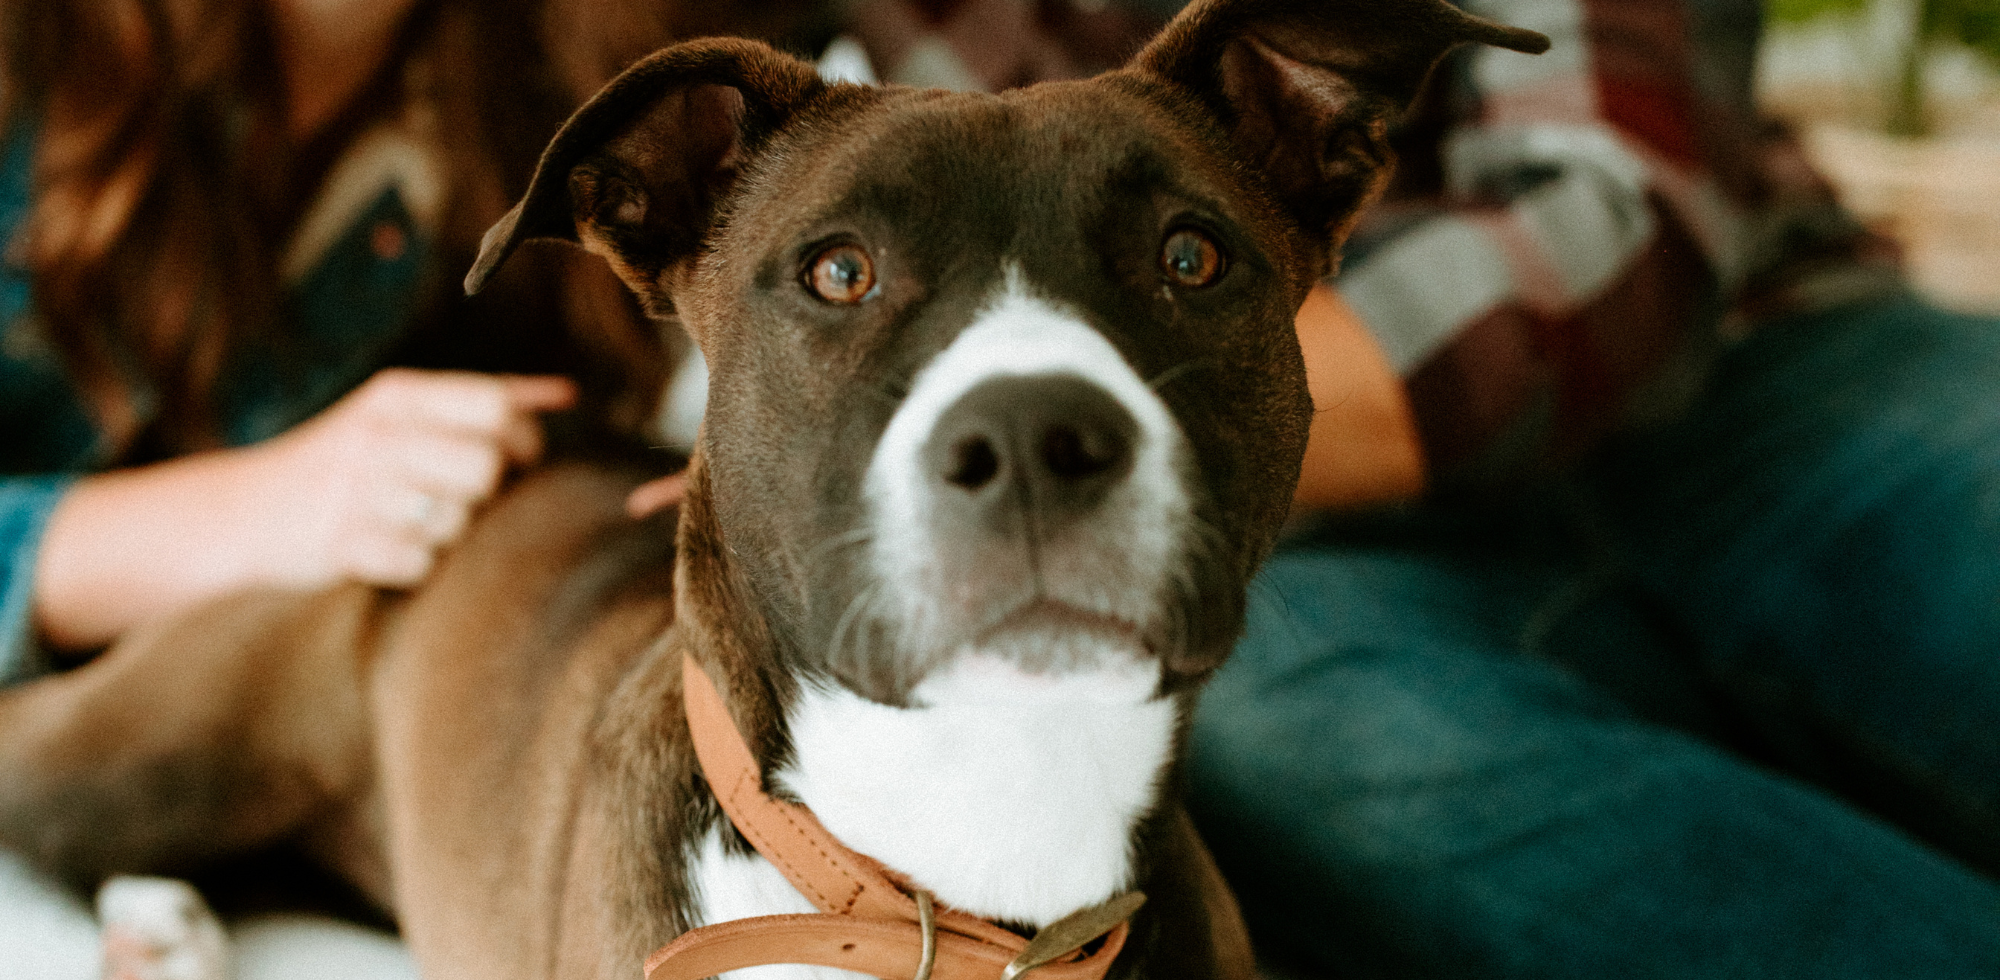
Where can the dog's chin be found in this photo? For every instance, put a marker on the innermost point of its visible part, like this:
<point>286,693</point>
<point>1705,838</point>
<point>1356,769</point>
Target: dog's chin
<point>1027,651</point>
<point>1045,636</point>
<point>1045,658</point>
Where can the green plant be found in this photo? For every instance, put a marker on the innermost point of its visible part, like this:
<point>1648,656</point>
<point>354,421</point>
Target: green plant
<point>1973,23</point>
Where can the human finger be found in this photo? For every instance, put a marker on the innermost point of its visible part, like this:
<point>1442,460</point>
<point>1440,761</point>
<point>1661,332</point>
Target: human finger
<point>653,496</point>
<point>538,392</point>
<point>443,520</point>
<point>520,439</point>
<point>460,401</point>
<point>487,404</point>
<point>465,467</point>
<point>408,511</point>
<point>389,559</point>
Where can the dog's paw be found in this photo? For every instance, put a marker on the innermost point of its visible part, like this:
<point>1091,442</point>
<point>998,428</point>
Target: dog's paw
<point>159,929</point>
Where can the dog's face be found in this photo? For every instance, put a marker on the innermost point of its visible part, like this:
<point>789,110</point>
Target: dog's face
<point>1008,374</point>
<point>1004,377</point>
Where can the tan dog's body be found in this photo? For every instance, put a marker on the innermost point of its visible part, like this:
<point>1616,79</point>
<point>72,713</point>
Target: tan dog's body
<point>460,735</point>
<point>965,503</point>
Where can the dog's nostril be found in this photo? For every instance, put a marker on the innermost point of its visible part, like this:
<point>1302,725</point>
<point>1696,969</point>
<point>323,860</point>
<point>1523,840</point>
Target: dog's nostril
<point>973,463</point>
<point>1056,443</point>
<point>1073,454</point>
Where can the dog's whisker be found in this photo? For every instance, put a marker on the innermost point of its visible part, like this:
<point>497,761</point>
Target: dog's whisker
<point>916,633</point>
<point>859,535</point>
<point>837,643</point>
<point>857,608</point>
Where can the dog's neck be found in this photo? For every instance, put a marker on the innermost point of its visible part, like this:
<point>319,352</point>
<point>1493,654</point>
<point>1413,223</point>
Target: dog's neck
<point>1012,797</point>
<point>1009,797</point>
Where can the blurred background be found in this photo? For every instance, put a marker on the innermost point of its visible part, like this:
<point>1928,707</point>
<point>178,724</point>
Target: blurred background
<point>1898,102</point>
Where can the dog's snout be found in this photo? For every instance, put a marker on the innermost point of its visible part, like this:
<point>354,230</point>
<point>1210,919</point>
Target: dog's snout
<point>1053,444</point>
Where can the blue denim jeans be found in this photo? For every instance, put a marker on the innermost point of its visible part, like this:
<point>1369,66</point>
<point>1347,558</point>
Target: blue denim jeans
<point>1724,704</point>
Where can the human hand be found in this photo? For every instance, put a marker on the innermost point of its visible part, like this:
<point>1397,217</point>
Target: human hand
<point>369,490</point>
<point>373,486</point>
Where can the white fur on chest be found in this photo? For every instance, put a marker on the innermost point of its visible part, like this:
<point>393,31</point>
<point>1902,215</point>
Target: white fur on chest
<point>1008,796</point>
<point>727,886</point>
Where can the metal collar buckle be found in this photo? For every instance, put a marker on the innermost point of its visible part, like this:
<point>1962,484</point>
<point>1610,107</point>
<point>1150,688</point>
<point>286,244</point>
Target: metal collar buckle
<point>1071,932</point>
<point>1052,942</point>
<point>927,921</point>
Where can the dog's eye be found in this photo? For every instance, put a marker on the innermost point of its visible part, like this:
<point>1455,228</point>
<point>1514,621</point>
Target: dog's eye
<point>1190,259</point>
<point>841,274</point>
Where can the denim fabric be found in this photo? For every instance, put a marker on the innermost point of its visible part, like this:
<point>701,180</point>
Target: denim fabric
<point>1723,706</point>
<point>1829,532</point>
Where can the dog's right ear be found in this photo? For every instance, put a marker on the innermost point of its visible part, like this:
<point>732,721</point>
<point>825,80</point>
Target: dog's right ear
<point>637,174</point>
<point>1304,89</point>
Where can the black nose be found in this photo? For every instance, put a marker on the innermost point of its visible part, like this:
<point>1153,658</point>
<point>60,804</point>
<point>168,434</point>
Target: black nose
<point>1048,446</point>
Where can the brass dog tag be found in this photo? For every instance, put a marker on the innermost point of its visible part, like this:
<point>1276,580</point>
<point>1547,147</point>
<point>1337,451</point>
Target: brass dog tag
<point>1059,938</point>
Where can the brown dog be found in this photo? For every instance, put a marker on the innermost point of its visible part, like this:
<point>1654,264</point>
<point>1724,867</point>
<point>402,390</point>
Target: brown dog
<point>1005,411</point>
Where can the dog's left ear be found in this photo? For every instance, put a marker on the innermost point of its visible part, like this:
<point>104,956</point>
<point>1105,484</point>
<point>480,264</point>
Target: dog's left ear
<point>1305,89</point>
<point>638,173</point>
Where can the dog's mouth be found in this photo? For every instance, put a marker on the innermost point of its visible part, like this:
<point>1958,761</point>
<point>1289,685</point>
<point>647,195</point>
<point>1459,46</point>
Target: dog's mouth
<point>1046,653</point>
<point>1044,635</point>
<point>1044,613</point>
<point>1047,650</point>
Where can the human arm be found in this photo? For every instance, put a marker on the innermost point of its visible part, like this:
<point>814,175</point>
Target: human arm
<point>367,490</point>
<point>1362,446</point>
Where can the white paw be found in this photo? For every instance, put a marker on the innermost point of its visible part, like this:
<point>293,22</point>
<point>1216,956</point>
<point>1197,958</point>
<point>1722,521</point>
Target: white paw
<point>159,929</point>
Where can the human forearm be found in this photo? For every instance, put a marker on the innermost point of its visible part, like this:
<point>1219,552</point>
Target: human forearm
<point>125,547</point>
<point>1362,448</point>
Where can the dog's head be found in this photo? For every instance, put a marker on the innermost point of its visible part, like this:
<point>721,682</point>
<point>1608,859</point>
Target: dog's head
<point>1006,375</point>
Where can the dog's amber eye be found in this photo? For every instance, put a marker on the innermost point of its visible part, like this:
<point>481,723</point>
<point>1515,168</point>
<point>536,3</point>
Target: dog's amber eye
<point>1190,259</point>
<point>841,274</point>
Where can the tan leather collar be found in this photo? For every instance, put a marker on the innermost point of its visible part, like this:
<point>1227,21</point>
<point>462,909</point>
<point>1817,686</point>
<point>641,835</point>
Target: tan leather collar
<point>868,922</point>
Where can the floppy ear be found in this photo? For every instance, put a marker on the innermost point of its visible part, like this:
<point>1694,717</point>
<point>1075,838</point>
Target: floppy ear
<point>636,175</point>
<point>1305,89</point>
